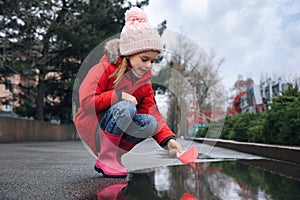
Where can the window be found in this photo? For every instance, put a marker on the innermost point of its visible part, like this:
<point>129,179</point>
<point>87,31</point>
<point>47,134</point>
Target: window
<point>285,86</point>
<point>7,106</point>
<point>8,86</point>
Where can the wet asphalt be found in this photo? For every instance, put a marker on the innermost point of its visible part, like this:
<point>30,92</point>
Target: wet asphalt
<point>64,170</point>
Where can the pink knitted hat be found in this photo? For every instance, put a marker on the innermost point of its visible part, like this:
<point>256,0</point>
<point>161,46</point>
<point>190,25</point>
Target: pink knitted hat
<point>137,35</point>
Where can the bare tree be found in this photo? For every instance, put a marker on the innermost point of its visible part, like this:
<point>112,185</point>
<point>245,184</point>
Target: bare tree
<point>194,81</point>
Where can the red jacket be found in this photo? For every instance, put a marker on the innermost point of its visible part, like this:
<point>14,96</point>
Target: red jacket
<point>97,94</point>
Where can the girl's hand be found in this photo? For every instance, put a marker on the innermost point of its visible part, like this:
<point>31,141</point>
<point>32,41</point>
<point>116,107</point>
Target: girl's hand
<point>174,147</point>
<point>129,97</point>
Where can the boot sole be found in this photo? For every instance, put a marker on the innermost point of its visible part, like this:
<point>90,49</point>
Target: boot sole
<point>99,170</point>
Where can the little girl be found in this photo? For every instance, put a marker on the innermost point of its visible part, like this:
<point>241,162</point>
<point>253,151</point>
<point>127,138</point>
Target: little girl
<point>117,100</point>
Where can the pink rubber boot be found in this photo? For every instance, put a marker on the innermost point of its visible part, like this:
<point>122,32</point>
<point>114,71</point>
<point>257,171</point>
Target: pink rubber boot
<point>108,162</point>
<point>112,192</point>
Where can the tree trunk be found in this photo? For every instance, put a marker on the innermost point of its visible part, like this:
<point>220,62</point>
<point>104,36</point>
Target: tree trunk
<point>40,99</point>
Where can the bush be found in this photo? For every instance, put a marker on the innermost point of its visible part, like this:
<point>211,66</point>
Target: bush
<point>279,125</point>
<point>201,132</point>
<point>282,121</point>
<point>228,131</point>
<point>244,127</point>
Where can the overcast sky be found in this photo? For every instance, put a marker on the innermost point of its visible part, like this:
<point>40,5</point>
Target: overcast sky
<point>254,37</point>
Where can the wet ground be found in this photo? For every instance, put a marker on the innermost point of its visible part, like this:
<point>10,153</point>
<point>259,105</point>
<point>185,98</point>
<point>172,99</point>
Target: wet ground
<point>211,180</point>
<point>64,170</point>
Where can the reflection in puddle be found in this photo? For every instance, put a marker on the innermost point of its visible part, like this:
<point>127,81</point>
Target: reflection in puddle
<point>209,180</point>
<point>112,192</point>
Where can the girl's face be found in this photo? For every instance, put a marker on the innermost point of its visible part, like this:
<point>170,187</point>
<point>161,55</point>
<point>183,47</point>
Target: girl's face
<point>142,62</point>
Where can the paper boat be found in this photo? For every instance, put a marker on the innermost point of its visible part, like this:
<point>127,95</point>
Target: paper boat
<point>189,156</point>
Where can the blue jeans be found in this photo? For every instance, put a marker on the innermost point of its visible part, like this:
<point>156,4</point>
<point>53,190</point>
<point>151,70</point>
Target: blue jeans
<point>122,118</point>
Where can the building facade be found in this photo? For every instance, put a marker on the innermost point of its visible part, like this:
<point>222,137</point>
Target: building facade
<point>249,97</point>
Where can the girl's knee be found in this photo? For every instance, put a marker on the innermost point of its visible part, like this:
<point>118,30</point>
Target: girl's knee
<point>126,107</point>
<point>152,125</point>
<point>153,122</point>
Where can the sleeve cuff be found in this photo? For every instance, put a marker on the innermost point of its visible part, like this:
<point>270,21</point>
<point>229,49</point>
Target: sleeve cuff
<point>119,94</point>
<point>165,141</point>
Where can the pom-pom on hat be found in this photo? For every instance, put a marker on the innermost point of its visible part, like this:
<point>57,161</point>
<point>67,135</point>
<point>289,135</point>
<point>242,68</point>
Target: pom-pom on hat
<point>137,35</point>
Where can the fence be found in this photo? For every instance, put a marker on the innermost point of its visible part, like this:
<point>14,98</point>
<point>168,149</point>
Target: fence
<point>20,130</point>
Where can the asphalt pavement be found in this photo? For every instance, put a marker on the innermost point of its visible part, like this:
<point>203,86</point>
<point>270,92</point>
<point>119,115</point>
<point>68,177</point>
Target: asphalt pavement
<point>64,170</point>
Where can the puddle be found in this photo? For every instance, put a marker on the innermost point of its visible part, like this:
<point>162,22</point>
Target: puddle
<point>240,179</point>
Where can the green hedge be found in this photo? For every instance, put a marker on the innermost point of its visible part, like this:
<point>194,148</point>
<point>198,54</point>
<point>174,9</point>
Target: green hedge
<point>279,125</point>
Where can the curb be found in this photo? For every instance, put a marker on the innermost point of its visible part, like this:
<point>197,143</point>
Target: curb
<point>278,152</point>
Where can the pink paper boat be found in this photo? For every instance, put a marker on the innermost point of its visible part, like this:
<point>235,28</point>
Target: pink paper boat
<point>187,196</point>
<point>189,156</point>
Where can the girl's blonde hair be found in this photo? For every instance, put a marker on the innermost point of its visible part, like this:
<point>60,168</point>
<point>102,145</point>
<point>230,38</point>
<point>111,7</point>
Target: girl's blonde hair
<point>118,74</point>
